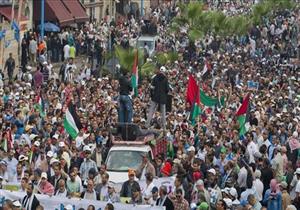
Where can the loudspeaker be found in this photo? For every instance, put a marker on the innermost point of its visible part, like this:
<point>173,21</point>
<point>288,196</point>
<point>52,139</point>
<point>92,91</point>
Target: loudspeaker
<point>128,131</point>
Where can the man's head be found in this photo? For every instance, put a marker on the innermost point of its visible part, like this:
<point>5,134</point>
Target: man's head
<point>61,185</point>
<point>131,174</point>
<point>29,189</point>
<point>178,194</point>
<point>105,178</point>
<point>90,186</point>
<point>163,191</point>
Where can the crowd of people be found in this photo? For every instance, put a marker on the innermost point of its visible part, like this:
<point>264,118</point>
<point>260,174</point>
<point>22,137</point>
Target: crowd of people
<point>214,167</point>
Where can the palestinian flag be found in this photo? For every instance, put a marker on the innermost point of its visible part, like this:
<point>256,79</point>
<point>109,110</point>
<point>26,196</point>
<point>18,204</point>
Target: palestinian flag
<point>242,115</point>
<point>135,74</point>
<point>39,105</point>
<point>207,68</point>
<point>193,97</point>
<point>71,121</point>
<point>170,150</point>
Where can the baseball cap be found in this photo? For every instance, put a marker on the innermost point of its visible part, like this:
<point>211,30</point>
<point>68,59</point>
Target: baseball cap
<point>200,182</point>
<point>297,171</point>
<point>110,185</point>
<point>61,144</point>
<point>55,136</point>
<point>33,136</point>
<point>37,143</point>
<point>131,172</point>
<point>212,171</point>
<point>53,160</point>
<point>22,158</point>
<point>154,189</point>
<point>86,148</point>
<point>44,175</point>
<point>50,154</point>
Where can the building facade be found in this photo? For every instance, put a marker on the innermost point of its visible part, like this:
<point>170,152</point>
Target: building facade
<point>100,9</point>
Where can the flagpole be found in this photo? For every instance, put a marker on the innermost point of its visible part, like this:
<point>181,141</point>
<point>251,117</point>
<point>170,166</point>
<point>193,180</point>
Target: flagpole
<point>42,18</point>
<point>19,20</point>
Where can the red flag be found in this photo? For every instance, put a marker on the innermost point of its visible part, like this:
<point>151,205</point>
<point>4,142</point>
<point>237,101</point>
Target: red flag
<point>244,107</point>
<point>192,93</point>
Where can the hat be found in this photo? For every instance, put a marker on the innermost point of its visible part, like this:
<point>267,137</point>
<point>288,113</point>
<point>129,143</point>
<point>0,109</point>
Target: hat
<point>166,169</point>
<point>87,148</point>
<point>44,175</point>
<point>131,172</point>
<point>283,184</point>
<point>163,69</point>
<point>61,144</point>
<point>37,143</point>
<point>212,171</point>
<point>33,136</point>
<point>45,63</point>
<point>17,203</point>
<point>203,206</point>
<point>50,154</point>
<point>199,182</point>
<point>53,160</point>
<point>55,136</point>
<point>257,173</point>
<point>297,171</point>
<point>68,207</point>
<point>154,189</point>
<point>191,148</point>
<point>233,192</point>
<point>22,158</point>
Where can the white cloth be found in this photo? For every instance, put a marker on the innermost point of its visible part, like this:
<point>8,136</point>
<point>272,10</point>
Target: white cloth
<point>147,192</point>
<point>252,149</point>
<point>66,51</point>
<point>259,186</point>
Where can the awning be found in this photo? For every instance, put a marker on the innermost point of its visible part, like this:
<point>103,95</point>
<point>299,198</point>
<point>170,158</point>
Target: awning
<point>6,12</point>
<point>77,10</point>
<point>62,14</point>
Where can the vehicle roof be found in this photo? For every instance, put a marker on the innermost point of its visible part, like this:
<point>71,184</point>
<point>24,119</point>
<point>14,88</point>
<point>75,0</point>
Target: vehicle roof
<point>143,148</point>
<point>147,38</point>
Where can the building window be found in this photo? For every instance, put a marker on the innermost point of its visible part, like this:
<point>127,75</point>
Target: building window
<point>27,12</point>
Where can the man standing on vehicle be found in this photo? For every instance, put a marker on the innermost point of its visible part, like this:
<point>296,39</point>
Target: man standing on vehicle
<point>125,108</point>
<point>159,93</point>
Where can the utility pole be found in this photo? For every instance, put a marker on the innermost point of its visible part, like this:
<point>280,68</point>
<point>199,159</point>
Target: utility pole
<point>142,8</point>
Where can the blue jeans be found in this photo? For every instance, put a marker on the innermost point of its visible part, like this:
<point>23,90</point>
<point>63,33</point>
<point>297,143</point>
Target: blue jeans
<point>126,110</point>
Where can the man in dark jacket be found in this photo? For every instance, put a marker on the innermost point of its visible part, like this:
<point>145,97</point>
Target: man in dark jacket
<point>126,190</point>
<point>30,202</point>
<point>159,94</point>
<point>164,200</point>
<point>125,103</point>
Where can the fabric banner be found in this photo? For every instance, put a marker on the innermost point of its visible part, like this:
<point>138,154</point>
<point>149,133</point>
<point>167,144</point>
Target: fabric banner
<point>208,101</point>
<point>52,203</point>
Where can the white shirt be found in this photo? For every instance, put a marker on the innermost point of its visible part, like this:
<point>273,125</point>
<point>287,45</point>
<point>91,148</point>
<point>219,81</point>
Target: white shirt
<point>66,51</point>
<point>252,149</point>
<point>242,177</point>
<point>297,190</point>
<point>11,168</point>
<point>147,192</point>
<point>259,186</point>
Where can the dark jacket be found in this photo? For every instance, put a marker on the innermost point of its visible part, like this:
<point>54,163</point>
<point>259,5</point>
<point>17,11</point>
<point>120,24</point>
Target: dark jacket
<point>125,86</point>
<point>35,202</point>
<point>55,184</point>
<point>97,195</point>
<point>126,189</point>
<point>168,203</point>
<point>159,89</point>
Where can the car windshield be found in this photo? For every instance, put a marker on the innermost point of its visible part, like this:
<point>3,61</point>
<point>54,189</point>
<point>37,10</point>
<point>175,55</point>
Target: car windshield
<point>150,44</point>
<point>123,160</point>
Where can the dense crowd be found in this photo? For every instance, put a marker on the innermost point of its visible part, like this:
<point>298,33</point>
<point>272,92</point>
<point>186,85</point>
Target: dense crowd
<point>214,167</point>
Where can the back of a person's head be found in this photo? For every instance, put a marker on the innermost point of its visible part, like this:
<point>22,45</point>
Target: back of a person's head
<point>291,207</point>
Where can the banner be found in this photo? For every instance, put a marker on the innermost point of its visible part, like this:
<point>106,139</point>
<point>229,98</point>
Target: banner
<point>52,203</point>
